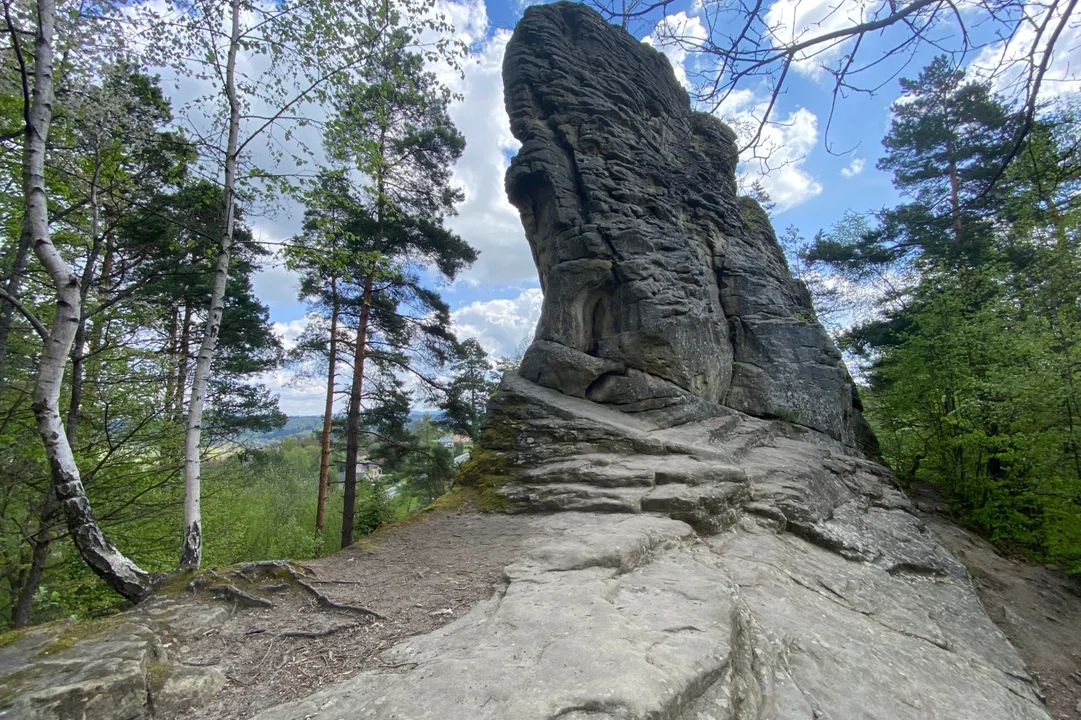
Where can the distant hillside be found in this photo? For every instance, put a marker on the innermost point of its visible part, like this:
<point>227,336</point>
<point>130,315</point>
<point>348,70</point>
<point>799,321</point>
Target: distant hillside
<point>295,425</point>
<point>304,424</point>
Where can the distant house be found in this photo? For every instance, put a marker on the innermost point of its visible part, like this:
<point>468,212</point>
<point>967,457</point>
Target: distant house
<point>461,459</point>
<point>455,440</point>
<point>367,469</point>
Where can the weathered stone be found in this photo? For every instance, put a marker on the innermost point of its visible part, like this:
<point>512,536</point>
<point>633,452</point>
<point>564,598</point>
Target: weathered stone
<point>658,282</point>
<point>113,669</point>
<point>631,616</point>
<point>176,688</point>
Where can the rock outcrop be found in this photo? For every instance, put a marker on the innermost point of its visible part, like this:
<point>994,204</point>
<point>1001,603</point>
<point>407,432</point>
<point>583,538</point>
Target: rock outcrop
<point>662,288</point>
<point>713,541</point>
<point>117,668</point>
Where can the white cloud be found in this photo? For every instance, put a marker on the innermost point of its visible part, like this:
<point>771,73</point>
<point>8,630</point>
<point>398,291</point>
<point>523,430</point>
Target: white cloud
<point>791,21</point>
<point>297,394</point>
<point>1007,63</point>
<point>486,219</point>
<point>853,168</point>
<point>777,159</point>
<point>500,325</point>
<point>289,332</point>
<point>670,37</point>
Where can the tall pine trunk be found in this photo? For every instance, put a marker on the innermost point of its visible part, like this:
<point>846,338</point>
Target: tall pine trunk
<point>192,552</point>
<point>352,433</point>
<point>328,413</point>
<point>106,561</point>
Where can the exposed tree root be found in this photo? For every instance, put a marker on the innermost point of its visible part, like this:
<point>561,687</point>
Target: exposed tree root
<point>252,572</point>
<point>239,596</point>
<point>326,602</point>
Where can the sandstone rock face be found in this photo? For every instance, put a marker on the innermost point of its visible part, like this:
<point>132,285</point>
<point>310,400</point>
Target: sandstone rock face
<point>114,669</point>
<point>661,287</point>
<point>729,569</point>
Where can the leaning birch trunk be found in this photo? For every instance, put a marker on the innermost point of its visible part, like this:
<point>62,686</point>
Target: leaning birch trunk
<point>106,561</point>
<point>192,552</point>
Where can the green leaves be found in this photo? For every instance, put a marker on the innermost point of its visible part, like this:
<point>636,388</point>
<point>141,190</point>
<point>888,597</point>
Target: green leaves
<point>972,364</point>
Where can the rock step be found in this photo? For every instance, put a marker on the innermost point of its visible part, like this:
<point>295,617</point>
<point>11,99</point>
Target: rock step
<point>609,470</point>
<point>595,470</point>
<point>709,509</point>
<point>558,496</point>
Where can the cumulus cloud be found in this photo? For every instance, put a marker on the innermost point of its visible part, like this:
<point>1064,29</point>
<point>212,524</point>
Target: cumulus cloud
<point>500,325</point>
<point>289,332</point>
<point>671,36</point>
<point>297,394</point>
<point>778,157</point>
<point>854,168</point>
<point>486,219</point>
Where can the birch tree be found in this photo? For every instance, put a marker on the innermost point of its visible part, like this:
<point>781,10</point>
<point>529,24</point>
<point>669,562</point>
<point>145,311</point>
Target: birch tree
<point>107,562</point>
<point>296,54</point>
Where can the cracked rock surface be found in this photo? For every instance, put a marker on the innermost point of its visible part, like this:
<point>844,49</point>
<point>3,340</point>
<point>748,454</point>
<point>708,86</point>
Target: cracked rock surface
<point>726,569</point>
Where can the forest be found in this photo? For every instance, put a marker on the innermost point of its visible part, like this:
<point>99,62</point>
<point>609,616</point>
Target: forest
<point>959,313</point>
<point>132,339</point>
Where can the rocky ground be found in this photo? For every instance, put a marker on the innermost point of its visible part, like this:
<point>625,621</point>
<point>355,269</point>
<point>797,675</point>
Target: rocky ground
<point>418,577</point>
<point>422,575</point>
<point>450,561</point>
<point>184,647</point>
<point>1038,608</point>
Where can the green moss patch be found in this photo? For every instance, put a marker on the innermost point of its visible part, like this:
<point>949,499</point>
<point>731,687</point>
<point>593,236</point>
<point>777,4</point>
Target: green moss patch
<point>76,632</point>
<point>485,472</point>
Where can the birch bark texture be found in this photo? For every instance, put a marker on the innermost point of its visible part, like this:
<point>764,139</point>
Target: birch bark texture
<point>112,566</point>
<point>191,553</point>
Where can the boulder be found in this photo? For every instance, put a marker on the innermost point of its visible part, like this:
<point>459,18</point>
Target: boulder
<point>111,669</point>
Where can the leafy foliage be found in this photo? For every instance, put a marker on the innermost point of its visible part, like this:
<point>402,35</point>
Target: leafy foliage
<point>971,359</point>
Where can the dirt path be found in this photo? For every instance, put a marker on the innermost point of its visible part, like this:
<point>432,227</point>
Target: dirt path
<point>420,576</point>
<point>1038,609</point>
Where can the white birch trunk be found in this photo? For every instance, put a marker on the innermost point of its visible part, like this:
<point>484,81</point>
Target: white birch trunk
<point>192,552</point>
<point>106,561</point>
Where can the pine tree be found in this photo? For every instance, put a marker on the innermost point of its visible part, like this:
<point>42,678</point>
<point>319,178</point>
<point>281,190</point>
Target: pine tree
<point>395,130</point>
<point>472,383</point>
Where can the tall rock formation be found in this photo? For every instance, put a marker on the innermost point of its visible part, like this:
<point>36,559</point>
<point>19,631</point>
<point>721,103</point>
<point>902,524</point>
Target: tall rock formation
<point>711,541</point>
<point>661,286</point>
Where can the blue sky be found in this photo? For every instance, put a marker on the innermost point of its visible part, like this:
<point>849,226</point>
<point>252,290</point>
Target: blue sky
<point>498,300</point>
